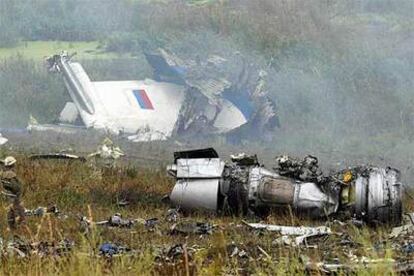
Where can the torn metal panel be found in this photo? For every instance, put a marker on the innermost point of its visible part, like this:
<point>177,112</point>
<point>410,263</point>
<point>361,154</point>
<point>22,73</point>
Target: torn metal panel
<point>3,140</point>
<point>228,83</point>
<point>292,230</point>
<point>401,230</point>
<point>198,153</point>
<point>359,265</point>
<point>55,156</point>
<point>107,154</point>
<point>199,168</point>
<point>41,211</point>
<point>198,174</point>
<point>199,228</point>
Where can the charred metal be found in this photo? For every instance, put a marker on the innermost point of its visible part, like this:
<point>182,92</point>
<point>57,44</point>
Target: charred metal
<point>244,186</point>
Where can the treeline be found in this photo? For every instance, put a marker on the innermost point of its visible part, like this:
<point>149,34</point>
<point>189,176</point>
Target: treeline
<point>127,25</point>
<point>68,20</point>
<point>26,88</point>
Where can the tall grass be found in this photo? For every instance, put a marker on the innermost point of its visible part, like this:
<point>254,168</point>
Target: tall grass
<point>79,189</point>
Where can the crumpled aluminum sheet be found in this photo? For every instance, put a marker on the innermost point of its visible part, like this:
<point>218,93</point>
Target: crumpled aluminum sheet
<point>292,230</point>
<point>3,140</point>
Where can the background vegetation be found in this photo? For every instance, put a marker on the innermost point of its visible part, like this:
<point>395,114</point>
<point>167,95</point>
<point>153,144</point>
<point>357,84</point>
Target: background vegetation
<point>341,72</point>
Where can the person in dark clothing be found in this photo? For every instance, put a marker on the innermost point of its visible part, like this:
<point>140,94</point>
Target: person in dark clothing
<point>13,187</point>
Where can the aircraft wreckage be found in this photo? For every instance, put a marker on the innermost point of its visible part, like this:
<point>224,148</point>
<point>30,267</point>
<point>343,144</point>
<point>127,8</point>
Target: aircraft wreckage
<point>243,186</point>
<point>187,98</point>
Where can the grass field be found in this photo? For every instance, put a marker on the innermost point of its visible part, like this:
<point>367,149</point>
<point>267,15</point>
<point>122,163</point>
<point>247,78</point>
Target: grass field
<point>82,189</point>
<point>38,50</point>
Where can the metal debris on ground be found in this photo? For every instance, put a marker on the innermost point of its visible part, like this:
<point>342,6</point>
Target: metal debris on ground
<point>151,223</point>
<point>117,221</point>
<point>123,203</point>
<point>3,140</point>
<point>84,225</point>
<point>302,232</point>
<point>41,211</point>
<point>362,264</point>
<point>292,230</point>
<point>408,248</point>
<point>402,230</point>
<point>174,253</point>
<point>57,156</point>
<point>107,150</point>
<point>198,228</point>
<point>21,248</point>
<point>235,251</point>
<point>173,215</point>
<point>243,186</point>
<point>110,250</point>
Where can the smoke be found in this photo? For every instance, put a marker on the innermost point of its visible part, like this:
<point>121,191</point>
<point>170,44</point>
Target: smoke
<point>341,72</point>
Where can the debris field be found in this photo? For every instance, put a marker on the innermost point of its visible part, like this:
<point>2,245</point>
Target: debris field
<point>116,218</point>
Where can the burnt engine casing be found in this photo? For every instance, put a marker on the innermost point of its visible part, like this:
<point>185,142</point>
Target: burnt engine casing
<point>377,196</point>
<point>205,182</point>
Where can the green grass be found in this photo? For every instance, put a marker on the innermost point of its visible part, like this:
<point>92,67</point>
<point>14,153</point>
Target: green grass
<point>38,50</point>
<point>79,188</point>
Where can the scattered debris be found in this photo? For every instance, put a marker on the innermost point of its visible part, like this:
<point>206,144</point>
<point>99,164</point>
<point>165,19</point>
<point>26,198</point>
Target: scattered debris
<point>292,230</point>
<point>107,150</point>
<point>3,140</point>
<point>21,248</point>
<point>111,250</point>
<point>360,264</point>
<point>57,156</point>
<point>123,203</point>
<point>117,221</point>
<point>175,253</point>
<point>114,221</point>
<point>172,215</point>
<point>408,248</point>
<point>235,251</point>
<point>198,228</point>
<point>151,223</point>
<point>302,232</point>
<point>41,211</point>
<point>84,225</point>
<point>264,252</point>
<point>402,230</point>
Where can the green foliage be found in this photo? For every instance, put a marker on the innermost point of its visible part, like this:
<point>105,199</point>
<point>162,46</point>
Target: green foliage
<point>71,185</point>
<point>64,19</point>
<point>28,88</point>
<point>38,50</point>
<point>121,42</point>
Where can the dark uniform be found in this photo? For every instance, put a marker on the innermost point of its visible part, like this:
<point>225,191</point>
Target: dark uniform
<point>13,186</point>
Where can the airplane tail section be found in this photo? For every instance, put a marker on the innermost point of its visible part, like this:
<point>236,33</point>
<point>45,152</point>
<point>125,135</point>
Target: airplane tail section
<point>76,80</point>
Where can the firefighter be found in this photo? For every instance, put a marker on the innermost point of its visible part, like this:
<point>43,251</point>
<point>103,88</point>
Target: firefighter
<point>13,188</point>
